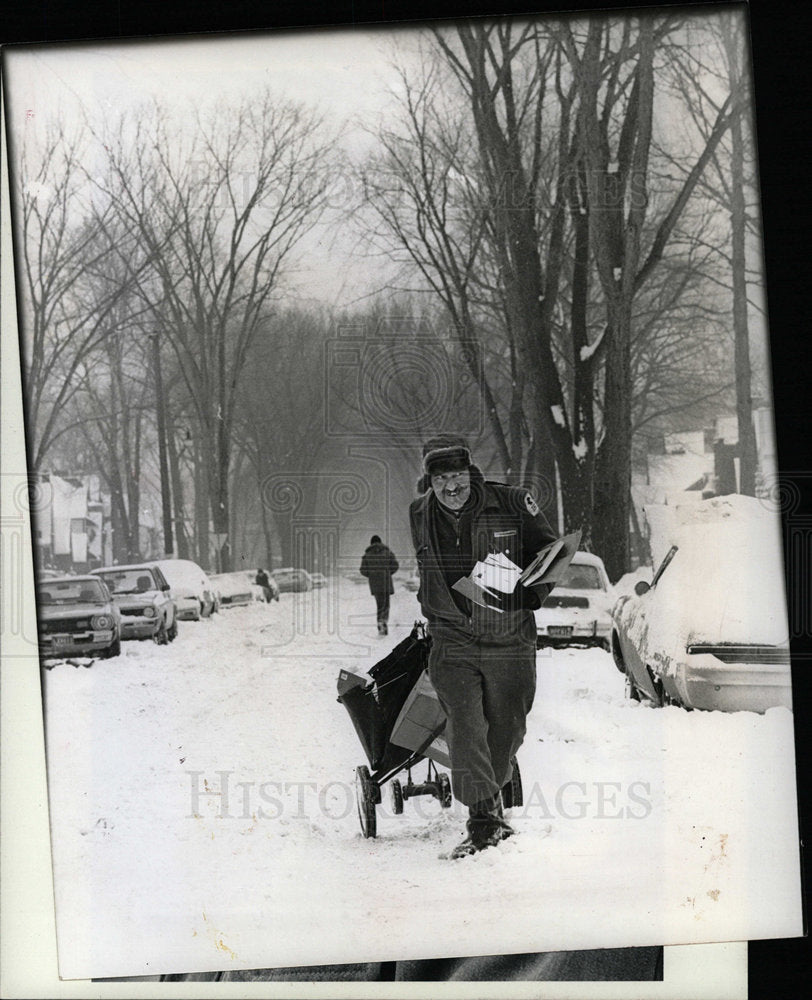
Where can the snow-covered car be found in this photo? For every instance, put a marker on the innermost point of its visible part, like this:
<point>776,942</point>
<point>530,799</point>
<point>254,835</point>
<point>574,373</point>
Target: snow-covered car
<point>142,595</point>
<point>47,574</point>
<point>77,616</point>
<point>579,610</point>
<point>190,588</point>
<point>710,630</point>
<point>290,579</point>
<point>233,589</point>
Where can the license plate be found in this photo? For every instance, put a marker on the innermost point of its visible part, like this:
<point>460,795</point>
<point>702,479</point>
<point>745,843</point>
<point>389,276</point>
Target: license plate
<point>559,631</point>
<point>61,640</point>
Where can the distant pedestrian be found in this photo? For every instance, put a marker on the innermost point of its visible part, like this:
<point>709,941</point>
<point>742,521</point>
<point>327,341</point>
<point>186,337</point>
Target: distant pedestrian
<point>263,581</point>
<point>378,565</point>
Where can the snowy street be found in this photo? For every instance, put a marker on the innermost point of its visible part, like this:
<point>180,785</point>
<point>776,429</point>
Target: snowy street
<point>203,813</point>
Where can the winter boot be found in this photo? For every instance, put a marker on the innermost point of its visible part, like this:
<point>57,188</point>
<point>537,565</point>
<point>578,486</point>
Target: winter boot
<point>464,849</point>
<point>486,828</point>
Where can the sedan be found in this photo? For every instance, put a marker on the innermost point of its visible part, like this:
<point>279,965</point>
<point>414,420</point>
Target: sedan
<point>710,630</point>
<point>233,589</point>
<point>191,589</point>
<point>290,579</point>
<point>142,596</point>
<point>579,610</point>
<point>77,616</point>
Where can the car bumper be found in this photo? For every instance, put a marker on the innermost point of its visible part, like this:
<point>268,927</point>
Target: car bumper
<point>76,645</point>
<point>707,683</point>
<point>188,608</point>
<point>140,628</point>
<point>569,633</point>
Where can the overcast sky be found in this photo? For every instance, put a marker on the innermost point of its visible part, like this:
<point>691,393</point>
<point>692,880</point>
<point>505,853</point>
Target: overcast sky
<point>347,74</point>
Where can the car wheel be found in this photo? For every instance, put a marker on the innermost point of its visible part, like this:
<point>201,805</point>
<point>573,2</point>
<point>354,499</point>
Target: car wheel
<point>172,631</point>
<point>617,656</point>
<point>396,796</point>
<point>162,636</point>
<point>114,650</point>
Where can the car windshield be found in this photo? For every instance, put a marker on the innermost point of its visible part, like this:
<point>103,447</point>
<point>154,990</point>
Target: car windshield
<point>71,592</point>
<point>581,578</point>
<point>129,581</point>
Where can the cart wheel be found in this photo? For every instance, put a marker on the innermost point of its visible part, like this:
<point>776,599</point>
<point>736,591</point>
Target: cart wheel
<point>445,790</point>
<point>365,800</point>
<point>512,794</point>
<point>396,797</point>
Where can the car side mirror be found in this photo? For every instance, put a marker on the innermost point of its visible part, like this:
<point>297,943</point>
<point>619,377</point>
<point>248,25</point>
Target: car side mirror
<point>641,587</point>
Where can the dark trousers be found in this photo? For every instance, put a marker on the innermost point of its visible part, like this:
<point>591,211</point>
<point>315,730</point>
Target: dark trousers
<point>487,690</point>
<point>382,602</point>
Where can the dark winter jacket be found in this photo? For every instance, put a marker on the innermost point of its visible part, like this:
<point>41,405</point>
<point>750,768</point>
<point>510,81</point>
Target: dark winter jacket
<point>378,565</point>
<point>497,518</point>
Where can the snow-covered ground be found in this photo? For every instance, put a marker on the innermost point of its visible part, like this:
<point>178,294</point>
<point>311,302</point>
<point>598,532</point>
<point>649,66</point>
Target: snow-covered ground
<point>203,813</point>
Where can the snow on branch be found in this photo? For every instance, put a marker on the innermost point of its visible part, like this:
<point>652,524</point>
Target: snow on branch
<point>586,352</point>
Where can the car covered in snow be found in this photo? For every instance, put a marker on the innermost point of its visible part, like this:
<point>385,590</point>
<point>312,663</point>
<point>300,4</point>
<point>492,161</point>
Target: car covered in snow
<point>142,595</point>
<point>578,612</point>
<point>235,589</point>
<point>77,616</point>
<point>190,587</point>
<point>290,579</point>
<point>710,630</point>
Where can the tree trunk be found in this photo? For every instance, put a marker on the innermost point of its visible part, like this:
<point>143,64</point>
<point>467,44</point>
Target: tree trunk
<point>201,479</point>
<point>744,400</point>
<point>160,423</point>
<point>612,484</point>
<point>177,489</point>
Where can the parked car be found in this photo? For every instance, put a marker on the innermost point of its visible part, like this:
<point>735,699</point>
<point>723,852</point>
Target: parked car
<point>579,610</point>
<point>47,574</point>
<point>190,587</point>
<point>77,616</point>
<point>234,589</point>
<point>142,595</point>
<point>290,579</point>
<point>710,630</point>
<point>319,579</point>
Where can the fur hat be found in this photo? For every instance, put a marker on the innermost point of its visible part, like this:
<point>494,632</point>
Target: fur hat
<point>446,453</point>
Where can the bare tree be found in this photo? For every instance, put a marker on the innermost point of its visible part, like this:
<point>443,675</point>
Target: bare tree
<point>218,217</point>
<point>64,257</point>
<point>614,67</point>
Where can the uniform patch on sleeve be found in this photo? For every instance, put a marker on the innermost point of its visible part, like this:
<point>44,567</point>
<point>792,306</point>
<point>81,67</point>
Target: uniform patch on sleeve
<point>531,504</point>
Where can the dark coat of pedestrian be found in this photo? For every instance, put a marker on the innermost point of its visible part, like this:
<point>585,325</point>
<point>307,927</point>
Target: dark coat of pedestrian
<point>262,580</point>
<point>378,565</point>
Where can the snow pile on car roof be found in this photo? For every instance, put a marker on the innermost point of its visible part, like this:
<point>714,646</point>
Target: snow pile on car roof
<point>726,582</point>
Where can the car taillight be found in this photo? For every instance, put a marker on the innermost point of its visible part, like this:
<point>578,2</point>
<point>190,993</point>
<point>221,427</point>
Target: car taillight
<point>101,621</point>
